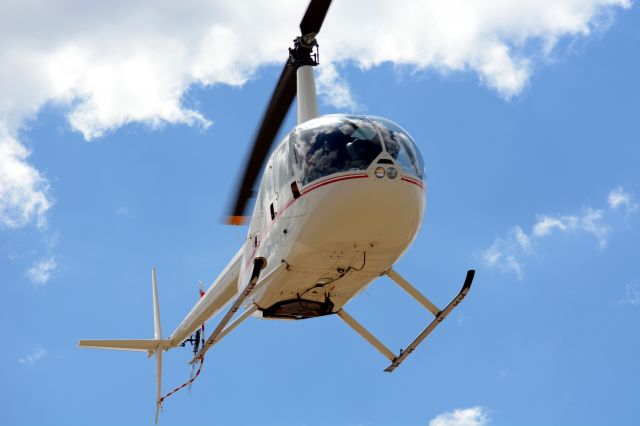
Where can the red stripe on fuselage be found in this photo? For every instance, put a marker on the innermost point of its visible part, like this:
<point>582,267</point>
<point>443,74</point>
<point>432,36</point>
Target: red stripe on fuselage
<point>413,181</point>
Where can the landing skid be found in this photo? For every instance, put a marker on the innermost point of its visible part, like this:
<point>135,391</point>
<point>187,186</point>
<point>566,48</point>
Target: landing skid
<point>439,315</point>
<point>255,282</point>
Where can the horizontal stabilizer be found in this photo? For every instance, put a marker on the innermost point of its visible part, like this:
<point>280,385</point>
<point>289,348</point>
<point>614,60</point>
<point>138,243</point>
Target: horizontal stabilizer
<point>143,345</point>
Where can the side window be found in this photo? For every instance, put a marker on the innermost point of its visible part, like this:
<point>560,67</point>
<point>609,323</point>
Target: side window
<point>281,168</point>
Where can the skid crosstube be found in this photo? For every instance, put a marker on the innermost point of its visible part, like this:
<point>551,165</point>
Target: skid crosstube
<point>438,319</point>
<point>439,315</point>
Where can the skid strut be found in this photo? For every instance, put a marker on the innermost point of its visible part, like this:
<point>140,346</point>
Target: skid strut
<point>222,329</point>
<point>440,315</point>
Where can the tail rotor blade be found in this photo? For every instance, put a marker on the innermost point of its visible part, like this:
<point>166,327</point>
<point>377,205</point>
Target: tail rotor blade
<point>158,382</point>
<point>157,328</point>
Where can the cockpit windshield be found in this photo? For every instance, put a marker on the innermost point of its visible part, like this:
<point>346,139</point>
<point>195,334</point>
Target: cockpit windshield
<point>334,144</point>
<point>400,146</point>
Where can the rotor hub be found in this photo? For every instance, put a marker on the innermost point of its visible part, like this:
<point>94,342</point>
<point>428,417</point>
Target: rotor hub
<point>304,51</point>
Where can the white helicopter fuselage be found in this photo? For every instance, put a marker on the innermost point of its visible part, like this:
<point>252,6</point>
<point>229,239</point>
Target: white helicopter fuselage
<point>343,231</point>
<point>341,199</point>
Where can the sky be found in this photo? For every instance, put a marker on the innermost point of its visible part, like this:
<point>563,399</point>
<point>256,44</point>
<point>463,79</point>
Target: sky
<point>123,129</point>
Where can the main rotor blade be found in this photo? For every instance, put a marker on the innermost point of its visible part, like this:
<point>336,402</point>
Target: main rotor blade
<point>281,100</point>
<point>313,18</point>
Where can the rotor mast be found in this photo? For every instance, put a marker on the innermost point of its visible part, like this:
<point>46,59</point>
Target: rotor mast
<point>296,78</point>
<point>304,56</point>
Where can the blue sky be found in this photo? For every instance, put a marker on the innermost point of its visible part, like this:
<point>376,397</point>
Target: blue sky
<point>533,181</point>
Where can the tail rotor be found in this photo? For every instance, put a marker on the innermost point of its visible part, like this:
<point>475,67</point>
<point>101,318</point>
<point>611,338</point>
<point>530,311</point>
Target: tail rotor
<point>152,347</point>
<point>157,331</point>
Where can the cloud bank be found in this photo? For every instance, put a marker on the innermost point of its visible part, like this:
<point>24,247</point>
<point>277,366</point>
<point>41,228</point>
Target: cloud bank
<point>107,64</point>
<point>508,253</point>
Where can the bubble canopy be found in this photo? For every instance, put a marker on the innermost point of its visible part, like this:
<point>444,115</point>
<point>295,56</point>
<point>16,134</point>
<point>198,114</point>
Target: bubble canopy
<point>340,143</point>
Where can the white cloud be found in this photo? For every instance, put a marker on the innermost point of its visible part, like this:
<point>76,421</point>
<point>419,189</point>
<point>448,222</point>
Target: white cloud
<point>110,63</point>
<point>521,238</point>
<point>334,89</point>
<point>24,193</point>
<point>36,355</point>
<point>546,225</point>
<point>474,416</point>
<point>507,253</point>
<point>502,253</point>
<point>493,38</point>
<point>41,271</point>
<point>618,197</point>
<point>632,294</point>
<point>591,222</point>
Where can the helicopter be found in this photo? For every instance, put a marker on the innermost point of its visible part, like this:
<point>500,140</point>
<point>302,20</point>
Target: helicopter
<point>341,198</point>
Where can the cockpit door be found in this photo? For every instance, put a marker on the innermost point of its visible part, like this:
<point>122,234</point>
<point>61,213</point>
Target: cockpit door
<point>285,182</point>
